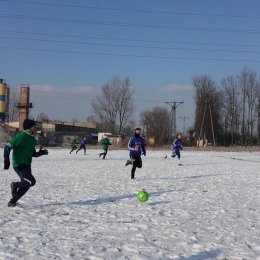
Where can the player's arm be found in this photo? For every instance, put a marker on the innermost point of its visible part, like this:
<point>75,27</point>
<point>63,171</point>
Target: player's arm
<point>180,145</point>
<point>7,150</point>
<point>143,148</point>
<point>41,152</point>
<point>131,144</point>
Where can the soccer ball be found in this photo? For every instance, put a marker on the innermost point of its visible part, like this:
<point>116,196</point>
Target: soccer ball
<point>142,196</point>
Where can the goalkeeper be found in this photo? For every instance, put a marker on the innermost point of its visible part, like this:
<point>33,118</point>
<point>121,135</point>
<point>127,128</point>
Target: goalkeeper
<point>23,146</point>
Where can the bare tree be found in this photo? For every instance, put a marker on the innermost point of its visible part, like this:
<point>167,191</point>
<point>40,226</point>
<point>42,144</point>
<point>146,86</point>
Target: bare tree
<point>258,111</point>
<point>114,107</point>
<point>91,118</point>
<point>128,129</point>
<point>125,104</point>
<point>248,88</point>
<point>251,97</point>
<point>42,117</point>
<point>230,106</point>
<point>206,94</point>
<point>74,120</point>
<point>156,122</point>
<point>14,98</point>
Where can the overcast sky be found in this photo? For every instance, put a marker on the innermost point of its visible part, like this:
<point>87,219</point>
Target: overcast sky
<point>67,49</point>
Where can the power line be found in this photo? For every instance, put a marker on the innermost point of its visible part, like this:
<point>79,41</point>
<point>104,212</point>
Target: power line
<point>129,46</point>
<point>128,55</point>
<point>134,10</point>
<point>151,26</point>
<point>128,39</point>
<point>50,94</point>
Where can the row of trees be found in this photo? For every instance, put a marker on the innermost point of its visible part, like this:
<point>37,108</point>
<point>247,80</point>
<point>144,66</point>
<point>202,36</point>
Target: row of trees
<point>113,111</point>
<point>230,111</point>
<point>235,106</point>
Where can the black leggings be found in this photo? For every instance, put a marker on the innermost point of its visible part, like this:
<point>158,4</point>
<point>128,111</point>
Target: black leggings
<point>81,148</point>
<point>27,181</point>
<point>73,148</point>
<point>136,163</point>
<point>104,153</point>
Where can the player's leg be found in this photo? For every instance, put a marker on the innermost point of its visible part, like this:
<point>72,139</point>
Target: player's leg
<point>105,153</point>
<point>129,161</point>
<point>134,165</point>
<point>27,181</point>
<point>138,162</point>
<point>79,149</point>
<point>179,159</point>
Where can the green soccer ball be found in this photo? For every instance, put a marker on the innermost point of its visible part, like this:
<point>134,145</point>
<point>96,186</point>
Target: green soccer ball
<point>142,196</point>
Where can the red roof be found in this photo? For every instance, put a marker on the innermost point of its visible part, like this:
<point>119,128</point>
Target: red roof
<point>8,127</point>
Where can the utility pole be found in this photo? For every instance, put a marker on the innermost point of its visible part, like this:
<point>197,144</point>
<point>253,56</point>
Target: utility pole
<point>174,105</point>
<point>184,118</point>
<point>207,103</point>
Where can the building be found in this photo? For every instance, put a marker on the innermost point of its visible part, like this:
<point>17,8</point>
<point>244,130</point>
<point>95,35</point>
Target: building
<point>61,133</point>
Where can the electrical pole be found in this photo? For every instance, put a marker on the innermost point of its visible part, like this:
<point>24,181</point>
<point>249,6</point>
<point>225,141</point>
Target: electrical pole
<point>184,118</point>
<point>174,105</point>
<point>207,103</point>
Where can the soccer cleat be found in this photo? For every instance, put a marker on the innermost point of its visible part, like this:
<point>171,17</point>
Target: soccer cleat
<point>100,155</point>
<point>128,162</point>
<point>13,190</point>
<point>179,164</point>
<point>11,204</point>
<point>173,155</point>
<point>165,156</point>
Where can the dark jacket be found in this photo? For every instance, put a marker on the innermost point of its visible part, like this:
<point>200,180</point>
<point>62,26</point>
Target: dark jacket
<point>136,146</point>
<point>23,146</point>
<point>177,145</point>
<point>105,143</point>
<point>83,143</point>
<point>74,143</point>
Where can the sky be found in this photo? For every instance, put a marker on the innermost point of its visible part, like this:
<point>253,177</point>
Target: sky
<point>207,209</point>
<point>67,50</point>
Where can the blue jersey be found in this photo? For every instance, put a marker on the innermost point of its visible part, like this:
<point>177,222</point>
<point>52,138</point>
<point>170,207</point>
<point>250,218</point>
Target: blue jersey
<point>83,143</point>
<point>176,146</point>
<point>136,146</point>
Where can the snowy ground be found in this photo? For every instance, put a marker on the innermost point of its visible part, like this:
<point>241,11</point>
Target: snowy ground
<point>83,207</point>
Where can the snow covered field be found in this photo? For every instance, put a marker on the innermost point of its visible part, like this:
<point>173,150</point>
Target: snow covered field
<point>83,207</point>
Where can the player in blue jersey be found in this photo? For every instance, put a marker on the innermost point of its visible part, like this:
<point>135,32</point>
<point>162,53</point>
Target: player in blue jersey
<point>177,147</point>
<point>136,145</point>
<point>83,145</point>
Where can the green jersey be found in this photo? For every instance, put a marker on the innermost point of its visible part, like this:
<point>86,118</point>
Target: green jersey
<point>105,143</point>
<point>23,146</point>
<point>74,143</point>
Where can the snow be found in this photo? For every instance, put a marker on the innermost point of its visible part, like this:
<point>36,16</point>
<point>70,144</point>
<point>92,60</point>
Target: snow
<point>83,207</point>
